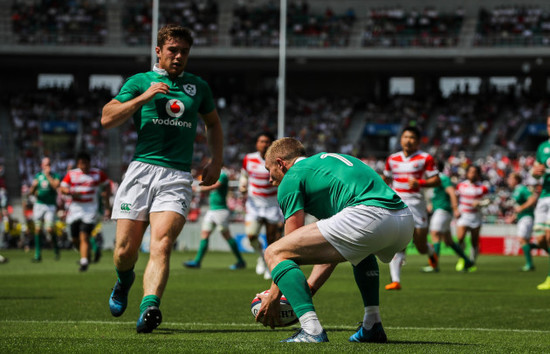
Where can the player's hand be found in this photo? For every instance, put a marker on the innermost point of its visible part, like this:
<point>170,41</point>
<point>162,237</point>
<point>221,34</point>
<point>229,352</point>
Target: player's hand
<point>538,169</point>
<point>268,315</point>
<point>413,183</point>
<point>210,174</point>
<point>155,89</point>
<point>457,213</point>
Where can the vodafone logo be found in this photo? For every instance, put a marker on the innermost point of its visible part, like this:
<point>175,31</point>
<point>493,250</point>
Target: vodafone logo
<point>175,108</point>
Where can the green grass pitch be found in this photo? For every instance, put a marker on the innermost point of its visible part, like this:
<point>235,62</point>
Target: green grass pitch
<point>50,307</point>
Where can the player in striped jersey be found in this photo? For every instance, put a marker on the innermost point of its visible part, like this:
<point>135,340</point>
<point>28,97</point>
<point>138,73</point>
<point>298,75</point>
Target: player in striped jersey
<point>471,197</point>
<point>410,170</point>
<point>261,200</point>
<point>82,184</point>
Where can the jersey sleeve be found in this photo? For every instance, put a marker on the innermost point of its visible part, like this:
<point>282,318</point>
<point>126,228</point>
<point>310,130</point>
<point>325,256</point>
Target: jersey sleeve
<point>430,169</point>
<point>207,104</point>
<point>387,168</point>
<point>130,89</point>
<point>223,179</point>
<point>290,196</point>
<point>66,181</point>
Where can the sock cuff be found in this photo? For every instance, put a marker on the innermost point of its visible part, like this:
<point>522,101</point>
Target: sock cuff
<point>153,298</point>
<point>281,269</point>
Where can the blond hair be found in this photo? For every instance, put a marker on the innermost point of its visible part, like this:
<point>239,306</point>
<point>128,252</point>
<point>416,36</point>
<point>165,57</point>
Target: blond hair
<point>287,149</point>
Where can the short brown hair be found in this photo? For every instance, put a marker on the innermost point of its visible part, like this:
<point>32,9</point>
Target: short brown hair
<point>175,32</point>
<point>286,149</point>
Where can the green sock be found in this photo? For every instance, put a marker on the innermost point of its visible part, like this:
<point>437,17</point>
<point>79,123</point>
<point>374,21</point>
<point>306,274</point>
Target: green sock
<point>93,243</point>
<point>37,246</point>
<point>54,243</point>
<point>459,251</point>
<point>235,248</point>
<point>293,284</point>
<point>527,253</point>
<point>437,248</point>
<point>203,247</point>
<point>149,300</point>
<point>125,278</point>
<point>367,278</point>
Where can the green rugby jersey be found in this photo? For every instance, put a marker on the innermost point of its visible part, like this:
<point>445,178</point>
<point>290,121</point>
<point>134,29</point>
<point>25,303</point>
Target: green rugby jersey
<point>45,194</point>
<point>218,196</point>
<point>166,125</point>
<point>441,199</point>
<point>543,157</point>
<point>324,184</point>
<point>520,195</point>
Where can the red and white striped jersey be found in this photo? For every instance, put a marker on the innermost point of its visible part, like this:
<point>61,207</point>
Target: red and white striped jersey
<point>259,188</point>
<point>84,186</point>
<point>400,168</point>
<point>468,193</point>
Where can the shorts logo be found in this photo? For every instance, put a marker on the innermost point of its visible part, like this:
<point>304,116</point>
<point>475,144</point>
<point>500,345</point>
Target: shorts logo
<point>189,89</point>
<point>125,207</point>
<point>175,108</point>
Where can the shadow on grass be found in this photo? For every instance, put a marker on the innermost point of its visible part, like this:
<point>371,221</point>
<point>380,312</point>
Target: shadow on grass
<point>27,297</point>
<point>181,330</point>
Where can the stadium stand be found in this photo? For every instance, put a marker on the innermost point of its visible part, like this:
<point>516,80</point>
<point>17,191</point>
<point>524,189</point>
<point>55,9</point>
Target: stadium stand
<point>399,27</point>
<point>73,22</point>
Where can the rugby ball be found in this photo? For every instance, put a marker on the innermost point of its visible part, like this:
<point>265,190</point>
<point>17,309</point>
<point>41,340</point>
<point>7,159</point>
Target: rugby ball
<point>287,315</point>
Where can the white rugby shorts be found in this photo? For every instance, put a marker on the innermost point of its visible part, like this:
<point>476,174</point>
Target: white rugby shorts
<point>471,220</point>
<point>542,212</point>
<point>85,212</point>
<point>441,221</point>
<point>214,218</point>
<point>257,215</point>
<point>43,212</point>
<point>150,188</point>
<point>361,230</point>
<point>419,210</point>
<point>525,227</point>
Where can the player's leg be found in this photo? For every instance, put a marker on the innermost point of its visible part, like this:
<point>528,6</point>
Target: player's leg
<point>129,234</point>
<point>38,214</point>
<point>395,271</point>
<point>460,235</point>
<point>546,284</point>
<point>252,228</point>
<point>305,245</point>
<point>208,225</point>
<point>84,235</point>
<point>165,228</point>
<point>524,232</point>
<point>474,250</point>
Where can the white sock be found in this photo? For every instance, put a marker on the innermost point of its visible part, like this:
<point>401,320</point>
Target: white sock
<point>474,251</point>
<point>310,323</point>
<point>372,316</point>
<point>83,261</point>
<point>395,266</point>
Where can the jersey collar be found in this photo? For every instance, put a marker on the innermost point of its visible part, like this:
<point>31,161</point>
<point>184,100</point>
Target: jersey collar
<point>163,72</point>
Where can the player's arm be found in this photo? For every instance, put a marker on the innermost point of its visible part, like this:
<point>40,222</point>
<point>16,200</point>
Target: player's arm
<point>529,203</point>
<point>116,113</point>
<point>210,188</point>
<point>451,192</point>
<point>214,135</point>
<point>243,181</point>
<point>33,187</point>
<point>433,181</point>
<point>268,314</point>
<point>538,170</point>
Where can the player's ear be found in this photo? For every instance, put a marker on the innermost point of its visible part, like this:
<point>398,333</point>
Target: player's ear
<point>280,163</point>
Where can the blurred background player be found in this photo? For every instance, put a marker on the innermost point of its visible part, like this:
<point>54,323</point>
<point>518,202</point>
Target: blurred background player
<point>542,210</point>
<point>44,187</point>
<point>218,216</point>
<point>471,197</point>
<point>524,210</point>
<point>261,200</point>
<point>408,171</point>
<point>82,184</point>
<point>444,206</point>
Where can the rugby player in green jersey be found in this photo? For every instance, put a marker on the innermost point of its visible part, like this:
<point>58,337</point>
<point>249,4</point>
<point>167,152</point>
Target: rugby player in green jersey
<point>360,217</point>
<point>524,208</point>
<point>156,191</point>
<point>444,207</point>
<point>217,216</point>
<point>542,210</point>
<point>45,185</point>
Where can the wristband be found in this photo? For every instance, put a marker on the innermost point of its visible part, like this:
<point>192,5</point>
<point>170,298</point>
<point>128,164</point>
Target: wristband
<point>421,182</point>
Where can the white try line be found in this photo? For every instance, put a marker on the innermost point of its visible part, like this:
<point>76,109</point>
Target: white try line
<point>202,324</point>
